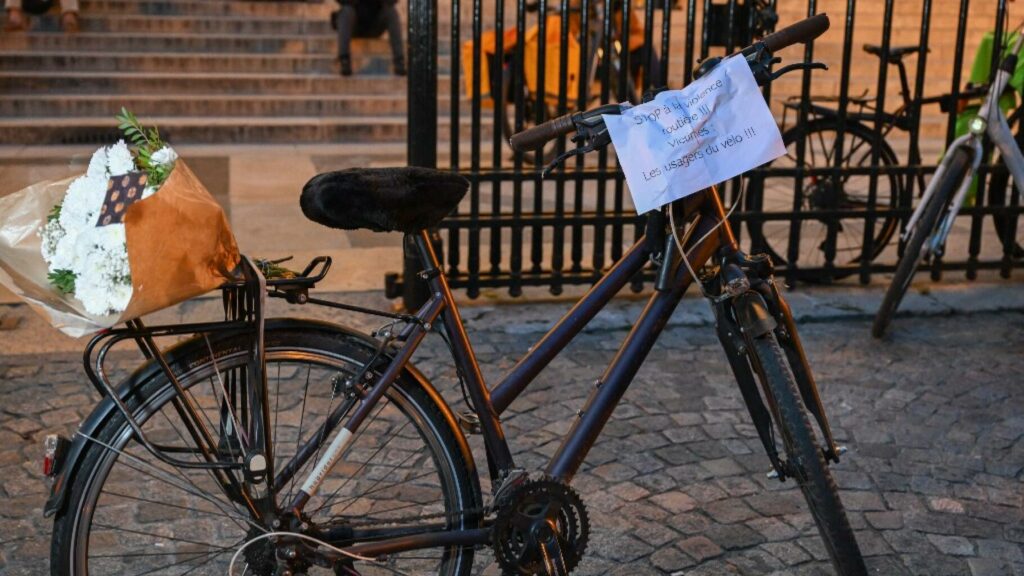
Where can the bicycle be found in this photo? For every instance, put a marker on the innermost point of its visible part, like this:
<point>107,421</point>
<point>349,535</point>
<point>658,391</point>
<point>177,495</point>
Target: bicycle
<point>524,102</point>
<point>835,234</point>
<point>926,231</point>
<point>292,445</point>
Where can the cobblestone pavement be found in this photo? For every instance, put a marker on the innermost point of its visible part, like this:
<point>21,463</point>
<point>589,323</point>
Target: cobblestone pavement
<point>933,417</point>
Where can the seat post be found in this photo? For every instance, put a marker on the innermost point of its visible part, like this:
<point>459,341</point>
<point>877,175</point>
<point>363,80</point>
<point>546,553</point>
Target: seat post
<point>430,264</point>
<point>904,82</point>
<point>414,290</point>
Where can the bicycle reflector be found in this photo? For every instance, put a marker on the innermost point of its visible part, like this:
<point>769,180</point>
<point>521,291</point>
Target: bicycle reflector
<point>55,447</point>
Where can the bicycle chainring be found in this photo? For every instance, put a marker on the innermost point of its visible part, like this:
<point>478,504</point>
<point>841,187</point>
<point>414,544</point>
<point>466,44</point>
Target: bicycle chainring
<point>542,528</point>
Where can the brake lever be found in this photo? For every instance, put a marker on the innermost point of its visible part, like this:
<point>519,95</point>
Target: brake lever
<point>798,66</point>
<point>592,133</point>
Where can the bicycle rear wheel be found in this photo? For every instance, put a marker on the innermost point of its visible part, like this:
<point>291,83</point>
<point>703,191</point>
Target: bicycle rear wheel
<point>914,251</point>
<point>806,459</point>
<point>128,513</point>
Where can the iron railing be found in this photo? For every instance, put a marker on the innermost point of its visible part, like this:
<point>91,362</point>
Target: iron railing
<point>517,229</point>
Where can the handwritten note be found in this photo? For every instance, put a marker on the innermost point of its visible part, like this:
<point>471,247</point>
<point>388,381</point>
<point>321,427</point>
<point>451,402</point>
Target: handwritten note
<point>686,140</point>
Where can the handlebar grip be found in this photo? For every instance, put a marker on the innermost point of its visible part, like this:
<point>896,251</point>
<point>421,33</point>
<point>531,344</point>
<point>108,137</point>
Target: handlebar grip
<point>802,32</point>
<point>536,136</point>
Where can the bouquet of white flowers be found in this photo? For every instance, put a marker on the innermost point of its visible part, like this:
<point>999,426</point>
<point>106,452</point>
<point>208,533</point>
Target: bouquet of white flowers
<point>102,236</point>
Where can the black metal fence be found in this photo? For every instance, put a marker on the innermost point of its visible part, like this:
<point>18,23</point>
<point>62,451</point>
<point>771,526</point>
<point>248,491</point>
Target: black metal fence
<point>823,214</point>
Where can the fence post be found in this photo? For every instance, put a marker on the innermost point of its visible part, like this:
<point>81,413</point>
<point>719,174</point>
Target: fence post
<point>421,132</point>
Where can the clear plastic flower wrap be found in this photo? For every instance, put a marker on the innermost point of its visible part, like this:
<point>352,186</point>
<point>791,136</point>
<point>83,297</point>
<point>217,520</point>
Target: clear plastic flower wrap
<point>136,233</point>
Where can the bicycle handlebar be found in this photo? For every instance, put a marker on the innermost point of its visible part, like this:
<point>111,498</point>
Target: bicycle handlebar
<point>536,136</point>
<point>800,33</point>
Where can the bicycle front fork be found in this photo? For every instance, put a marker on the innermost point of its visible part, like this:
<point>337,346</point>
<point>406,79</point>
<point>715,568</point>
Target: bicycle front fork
<point>753,313</point>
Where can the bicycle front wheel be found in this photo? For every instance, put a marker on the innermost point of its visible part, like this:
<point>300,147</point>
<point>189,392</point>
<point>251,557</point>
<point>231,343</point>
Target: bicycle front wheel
<point>806,460</point>
<point>131,514</point>
<point>915,249</point>
<point>850,195</point>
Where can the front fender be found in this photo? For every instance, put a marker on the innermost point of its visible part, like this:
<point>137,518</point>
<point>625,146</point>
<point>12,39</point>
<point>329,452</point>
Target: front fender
<point>752,315</point>
<point>129,392</point>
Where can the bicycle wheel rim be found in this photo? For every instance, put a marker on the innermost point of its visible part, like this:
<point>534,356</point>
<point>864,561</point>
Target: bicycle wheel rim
<point>401,401</point>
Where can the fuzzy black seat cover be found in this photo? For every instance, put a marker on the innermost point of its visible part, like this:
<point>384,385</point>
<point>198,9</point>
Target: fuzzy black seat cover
<point>382,199</point>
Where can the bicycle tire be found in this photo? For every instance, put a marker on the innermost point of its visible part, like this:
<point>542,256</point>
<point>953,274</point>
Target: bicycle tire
<point>913,253</point>
<point>763,240</point>
<point>806,459</point>
<point>191,362</point>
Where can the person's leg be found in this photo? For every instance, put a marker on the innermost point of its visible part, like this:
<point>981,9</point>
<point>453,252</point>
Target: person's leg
<point>16,18</point>
<point>395,37</point>
<point>69,15</point>
<point>346,27</point>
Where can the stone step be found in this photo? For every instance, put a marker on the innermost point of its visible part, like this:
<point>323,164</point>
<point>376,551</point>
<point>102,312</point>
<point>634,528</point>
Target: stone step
<point>207,8</point>
<point>170,62</point>
<point>193,104</point>
<point>45,82</point>
<point>201,130</point>
<point>143,24</point>
<point>206,43</point>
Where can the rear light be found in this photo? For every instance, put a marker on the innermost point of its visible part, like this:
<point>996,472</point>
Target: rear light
<point>54,448</point>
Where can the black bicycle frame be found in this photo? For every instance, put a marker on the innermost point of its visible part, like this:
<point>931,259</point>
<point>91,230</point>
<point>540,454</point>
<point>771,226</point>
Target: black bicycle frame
<point>608,390</point>
<point>707,236</point>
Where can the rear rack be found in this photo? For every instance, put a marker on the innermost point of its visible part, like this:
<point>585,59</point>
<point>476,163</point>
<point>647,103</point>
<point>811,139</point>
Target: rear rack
<point>244,304</point>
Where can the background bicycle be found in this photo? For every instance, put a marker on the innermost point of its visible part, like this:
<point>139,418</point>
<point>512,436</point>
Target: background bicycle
<point>930,224</point>
<point>836,201</point>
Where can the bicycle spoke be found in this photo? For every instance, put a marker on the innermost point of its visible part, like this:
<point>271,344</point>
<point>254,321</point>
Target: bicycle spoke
<point>159,536</point>
<point>302,422</point>
<point>213,476</point>
<point>364,464</point>
<point>196,493</point>
<point>167,504</point>
<point>373,489</point>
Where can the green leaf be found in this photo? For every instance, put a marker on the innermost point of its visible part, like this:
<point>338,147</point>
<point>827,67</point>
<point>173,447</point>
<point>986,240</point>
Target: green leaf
<point>62,280</point>
<point>54,213</point>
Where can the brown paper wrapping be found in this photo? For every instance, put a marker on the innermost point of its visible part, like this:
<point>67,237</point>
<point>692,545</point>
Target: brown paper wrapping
<point>180,245</point>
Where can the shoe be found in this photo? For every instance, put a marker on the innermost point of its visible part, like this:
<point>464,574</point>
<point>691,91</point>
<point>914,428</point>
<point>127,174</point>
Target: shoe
<point>400,68</point>
<point>69,22</point>
<point>346,65</point>
<point>16,20</point>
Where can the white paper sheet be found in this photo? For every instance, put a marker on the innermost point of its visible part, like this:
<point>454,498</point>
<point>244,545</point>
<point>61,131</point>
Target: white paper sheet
<point>687,140</point>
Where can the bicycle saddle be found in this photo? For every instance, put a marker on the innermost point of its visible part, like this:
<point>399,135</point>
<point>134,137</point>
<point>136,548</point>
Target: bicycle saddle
<point>896,53</point>
<point>382,199</point>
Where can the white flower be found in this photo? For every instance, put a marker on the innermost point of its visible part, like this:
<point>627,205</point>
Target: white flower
<point>103,277</point>
<point>51,233</point>
<point>165,155</point>
<point>98,164</point>
<point>82,203</point>
<point>119,159</point>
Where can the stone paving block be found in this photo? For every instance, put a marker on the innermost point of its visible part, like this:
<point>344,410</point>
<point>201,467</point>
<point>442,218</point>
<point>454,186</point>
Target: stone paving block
<point>699,548</point>
<point>952,545</point>
<point>987,567</point>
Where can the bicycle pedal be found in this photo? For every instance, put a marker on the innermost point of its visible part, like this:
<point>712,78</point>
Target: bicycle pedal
<point>469,422</point>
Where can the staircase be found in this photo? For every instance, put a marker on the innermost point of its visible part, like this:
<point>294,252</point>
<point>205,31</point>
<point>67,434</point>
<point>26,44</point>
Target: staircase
<point>204,71</point>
